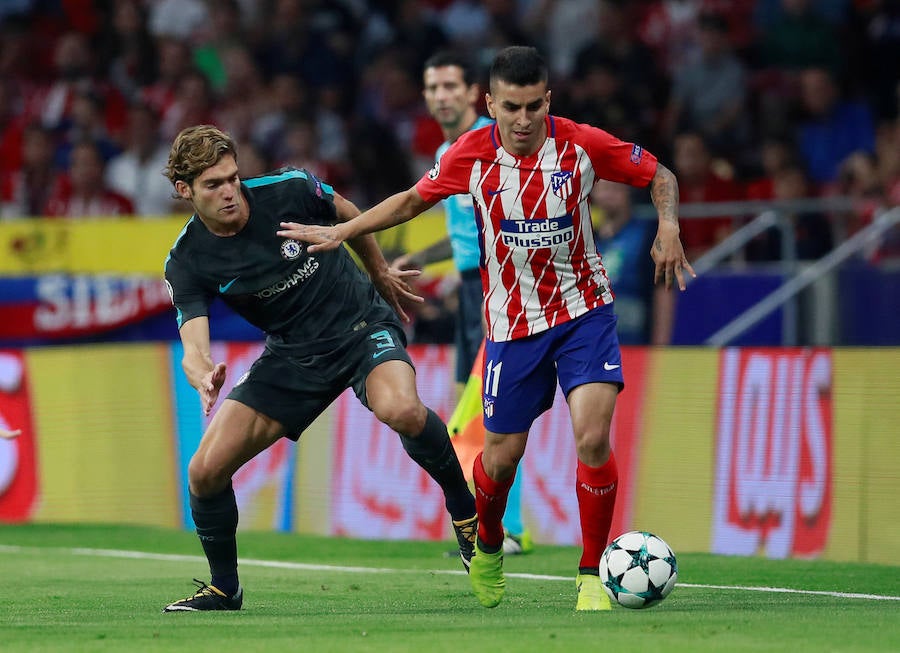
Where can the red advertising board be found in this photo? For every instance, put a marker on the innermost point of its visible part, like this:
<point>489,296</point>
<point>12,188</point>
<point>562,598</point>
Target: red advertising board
<point>378,492</point>
<point>18,474</point>
<point>774,452</point>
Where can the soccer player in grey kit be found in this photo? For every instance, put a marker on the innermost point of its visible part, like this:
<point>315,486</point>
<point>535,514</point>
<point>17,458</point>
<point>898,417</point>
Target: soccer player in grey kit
<point>329,326</point>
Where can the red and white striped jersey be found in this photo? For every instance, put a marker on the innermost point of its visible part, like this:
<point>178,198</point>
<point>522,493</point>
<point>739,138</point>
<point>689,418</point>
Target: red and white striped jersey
<point>539,264</point>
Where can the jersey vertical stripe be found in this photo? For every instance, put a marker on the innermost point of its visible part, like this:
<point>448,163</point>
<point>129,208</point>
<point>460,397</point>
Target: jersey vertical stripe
<point>540,266</point>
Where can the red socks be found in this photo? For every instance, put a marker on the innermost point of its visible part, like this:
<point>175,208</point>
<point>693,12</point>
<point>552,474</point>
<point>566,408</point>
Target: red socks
<point>490,502</point>
<point>596,491</point>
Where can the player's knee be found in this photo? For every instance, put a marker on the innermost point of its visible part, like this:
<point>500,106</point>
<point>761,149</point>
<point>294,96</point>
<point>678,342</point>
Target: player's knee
<point>593,447</point>
<point>405,415</point>
<point>500,461</point>
<point>204,480</point>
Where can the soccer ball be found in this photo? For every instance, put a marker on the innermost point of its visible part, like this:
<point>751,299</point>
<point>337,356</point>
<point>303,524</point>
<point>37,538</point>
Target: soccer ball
<point>638,569</point>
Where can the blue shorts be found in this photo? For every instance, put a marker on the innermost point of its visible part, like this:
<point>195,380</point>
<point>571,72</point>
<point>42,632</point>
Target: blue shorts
<point>520,375</point>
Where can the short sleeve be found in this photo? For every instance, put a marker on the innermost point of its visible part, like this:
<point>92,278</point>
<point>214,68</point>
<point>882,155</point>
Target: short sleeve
<point>616,160</point>
<point>449,176</point>
<point>188,297</point>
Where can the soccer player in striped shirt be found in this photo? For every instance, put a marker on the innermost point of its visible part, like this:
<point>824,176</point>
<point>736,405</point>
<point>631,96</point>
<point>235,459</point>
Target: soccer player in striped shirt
<point>548,302</point>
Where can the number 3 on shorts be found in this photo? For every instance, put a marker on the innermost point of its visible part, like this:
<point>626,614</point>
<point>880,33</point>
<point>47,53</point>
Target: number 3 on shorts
<point>383,342</point>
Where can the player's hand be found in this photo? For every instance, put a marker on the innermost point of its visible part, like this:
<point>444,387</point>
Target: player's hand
<point>394,287</point>
<point>668,254</point>
<point>9,435</point>
<point>320,237</point>
<point>209,387</point>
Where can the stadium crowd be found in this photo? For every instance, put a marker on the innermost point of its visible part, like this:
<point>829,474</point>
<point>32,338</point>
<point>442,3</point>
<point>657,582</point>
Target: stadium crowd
<point>766,99</point>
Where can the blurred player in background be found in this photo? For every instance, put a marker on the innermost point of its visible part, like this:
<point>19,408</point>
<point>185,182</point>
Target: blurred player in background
<point>451,93</point>
<point>329,327</point>
<point>549,304</point>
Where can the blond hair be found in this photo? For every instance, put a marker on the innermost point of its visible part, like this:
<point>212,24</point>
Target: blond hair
<point>194,150</point>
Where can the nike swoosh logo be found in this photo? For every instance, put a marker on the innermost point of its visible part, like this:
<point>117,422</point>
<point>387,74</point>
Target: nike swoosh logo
<point>379,353</point>
<point>224,289</point>
<point>608,367</point>
<point>496,191</point>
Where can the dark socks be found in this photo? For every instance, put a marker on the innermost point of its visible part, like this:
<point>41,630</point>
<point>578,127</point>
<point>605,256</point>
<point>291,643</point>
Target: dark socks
<point>434,453</point>
<point>216,518</point>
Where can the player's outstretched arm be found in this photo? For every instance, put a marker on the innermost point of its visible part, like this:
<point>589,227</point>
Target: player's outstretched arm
<point>390,281</point>
<point>667,251</point>
<point>9,435</point>
<point>205,376</point>
<point>395,210</point>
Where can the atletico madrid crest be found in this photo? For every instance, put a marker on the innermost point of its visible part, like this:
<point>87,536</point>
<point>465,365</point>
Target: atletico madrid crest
<point>561,183</point>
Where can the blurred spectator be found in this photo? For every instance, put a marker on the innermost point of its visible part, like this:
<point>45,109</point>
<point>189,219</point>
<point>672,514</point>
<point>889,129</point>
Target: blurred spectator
<point>85,194</point>
<point>313,39</point>
<point>709,94</point>
<point>407,24</point>
<point>182,19</point>
<point>390,97</point>
<point>298,148</point>
<point>562,28</point>
<point>223,31</point>
<point>173,61</point>
<point>641,82</point>
<point>859,179</point>
<point>244,96</point>
<point>768,12</point>
<point>286,96</point>
<point>832,127</point>
<point>624,242</point>
<point>332,130</point>
<point>85,122</point>
<point>17,51</point>
<point>887,148</point>
<point>799,38</point>
<point>137,172</point>
<point>700,181</point>
<point>127,49</point>
<point>11,125</point>
<point>9,8</point>
<point>52,103</point>
<point>254,160</point>
<point>466,23</point>
<point>193,105</point>
<point>812,231</point>
<point>876,53</point>
<point>775,154</point>
<point>599,98</point>
<point>669,29</point>
<point>506,26</point>
<point>24,192</point>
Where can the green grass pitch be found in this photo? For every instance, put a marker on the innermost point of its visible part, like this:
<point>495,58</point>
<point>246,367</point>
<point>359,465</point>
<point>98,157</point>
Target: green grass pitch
<point>102,588</point>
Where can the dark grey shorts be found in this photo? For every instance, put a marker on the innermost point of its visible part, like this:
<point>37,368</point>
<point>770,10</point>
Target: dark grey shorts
<point>295,391</point>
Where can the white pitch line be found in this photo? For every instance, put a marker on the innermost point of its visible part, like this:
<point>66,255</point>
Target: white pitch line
<point>305,566</point>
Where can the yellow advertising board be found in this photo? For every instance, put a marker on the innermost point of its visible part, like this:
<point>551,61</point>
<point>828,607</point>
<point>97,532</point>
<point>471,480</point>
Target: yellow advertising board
<point>102,415</point>
<point>140,245</point>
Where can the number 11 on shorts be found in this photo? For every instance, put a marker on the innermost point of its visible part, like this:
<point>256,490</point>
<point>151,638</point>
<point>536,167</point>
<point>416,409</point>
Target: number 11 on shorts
<point>492,378</point>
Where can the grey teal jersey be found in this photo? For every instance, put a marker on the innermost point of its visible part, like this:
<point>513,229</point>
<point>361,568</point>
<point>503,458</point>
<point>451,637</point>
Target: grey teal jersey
<point>311,303</point>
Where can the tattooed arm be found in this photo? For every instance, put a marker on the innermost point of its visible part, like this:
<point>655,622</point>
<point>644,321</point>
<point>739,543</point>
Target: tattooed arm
<point>667,251</point>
